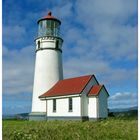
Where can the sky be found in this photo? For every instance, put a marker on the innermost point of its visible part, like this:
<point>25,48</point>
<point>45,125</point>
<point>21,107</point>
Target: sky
<point>100,38</point>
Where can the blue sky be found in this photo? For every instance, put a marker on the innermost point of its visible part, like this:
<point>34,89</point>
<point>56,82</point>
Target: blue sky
<point>100,37</point>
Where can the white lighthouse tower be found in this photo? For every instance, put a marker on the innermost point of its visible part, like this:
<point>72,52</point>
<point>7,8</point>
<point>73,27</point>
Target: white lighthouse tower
<point>48,64</point>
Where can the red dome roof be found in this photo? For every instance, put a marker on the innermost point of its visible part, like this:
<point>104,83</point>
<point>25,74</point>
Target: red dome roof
<point>49,17</point>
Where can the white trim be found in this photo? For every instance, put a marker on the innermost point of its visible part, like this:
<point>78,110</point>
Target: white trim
<point>59,97</point>
<point>97,106</point>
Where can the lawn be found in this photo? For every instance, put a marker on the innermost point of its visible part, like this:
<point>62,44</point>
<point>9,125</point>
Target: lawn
<point>108,129</point>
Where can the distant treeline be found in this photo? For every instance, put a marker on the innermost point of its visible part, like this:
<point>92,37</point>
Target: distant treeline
<point>129,113</point>
<point>25,116</point>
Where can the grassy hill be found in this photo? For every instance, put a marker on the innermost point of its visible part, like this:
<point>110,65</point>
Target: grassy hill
<point>113,128</point>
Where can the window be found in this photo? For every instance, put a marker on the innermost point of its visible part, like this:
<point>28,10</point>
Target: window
<point>70,104</point>
<point>54,105</point>
<point>57,44</point>
<point>40,30</point>
<point>38,43</point>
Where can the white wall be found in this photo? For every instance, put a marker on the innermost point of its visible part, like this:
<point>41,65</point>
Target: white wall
<point>62,107</point>
<point>85,99</point>
<point>92,107</point>
<point>48,70</point>
<point>97,107</point>
<point>103,111</point>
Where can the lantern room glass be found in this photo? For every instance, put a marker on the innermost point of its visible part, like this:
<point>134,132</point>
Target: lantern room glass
<point>49,28</point>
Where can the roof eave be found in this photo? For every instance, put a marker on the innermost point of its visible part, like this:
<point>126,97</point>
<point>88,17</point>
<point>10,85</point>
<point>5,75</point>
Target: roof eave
<point>99,91</point>
<point>106,91</point>
<point>96,95</point>
<point>59,96</point>
<point>49,19</point>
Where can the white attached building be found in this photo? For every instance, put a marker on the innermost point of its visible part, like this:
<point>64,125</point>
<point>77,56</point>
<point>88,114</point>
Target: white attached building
<point>76,99</point>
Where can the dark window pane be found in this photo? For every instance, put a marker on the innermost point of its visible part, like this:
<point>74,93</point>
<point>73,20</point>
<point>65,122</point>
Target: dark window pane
<point>70,104</point>
<point>54,105</point>
<point>38,44</point>
<point>57,44</point>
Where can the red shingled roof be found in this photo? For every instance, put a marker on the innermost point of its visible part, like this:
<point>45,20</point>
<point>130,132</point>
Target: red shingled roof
<point>95,90</point>
<point>68,86</point>
<point>49,17</point>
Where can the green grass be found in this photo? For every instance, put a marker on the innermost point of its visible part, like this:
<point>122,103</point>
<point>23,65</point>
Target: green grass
<point>109,129</point>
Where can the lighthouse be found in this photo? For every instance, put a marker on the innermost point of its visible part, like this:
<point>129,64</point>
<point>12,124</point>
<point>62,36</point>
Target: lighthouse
<point>48,63</point>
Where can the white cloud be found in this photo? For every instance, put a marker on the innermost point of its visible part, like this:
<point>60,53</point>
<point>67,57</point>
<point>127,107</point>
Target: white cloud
<point>14,34</point>
<point>125,99</point>
<point>63,11</point>
<point>89,63</point>
<point>107,21</point>
<point>109,9</point>
<point>123,96</point>
<point>18,70</point>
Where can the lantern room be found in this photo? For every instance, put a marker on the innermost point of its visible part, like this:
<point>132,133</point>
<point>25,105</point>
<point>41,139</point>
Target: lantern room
<point>49,26</point>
